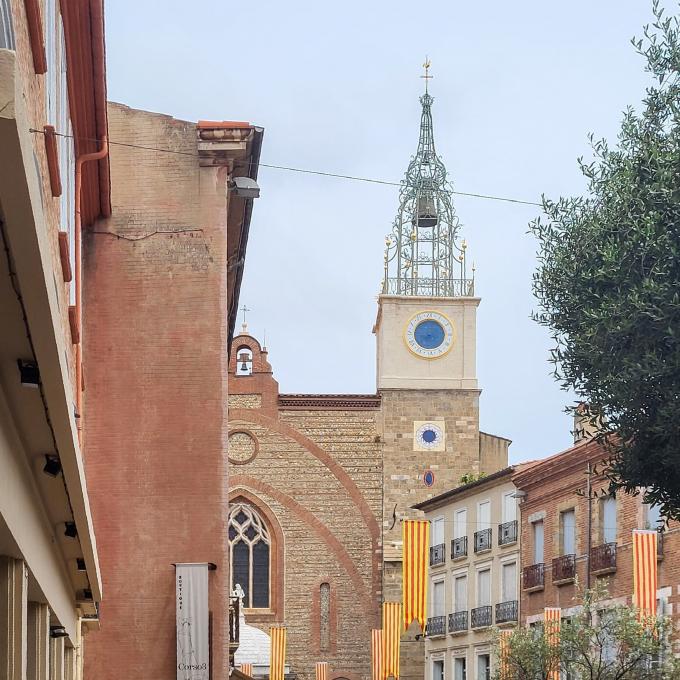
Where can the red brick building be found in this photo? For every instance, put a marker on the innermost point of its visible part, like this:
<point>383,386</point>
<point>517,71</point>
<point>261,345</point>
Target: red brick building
<point>556,523</point>
<point>162,275</point>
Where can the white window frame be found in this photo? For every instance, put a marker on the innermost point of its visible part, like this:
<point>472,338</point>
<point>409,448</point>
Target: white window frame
<point>513,501</point>
<point>507,563</point>
<point>461,573</point>
<point>480,524</point>
<point>534,552</point>
<point>563,534</point>
<point>459,526</point>
<point>438,522</point>
<point>436,581</point>
<point>480,568</point>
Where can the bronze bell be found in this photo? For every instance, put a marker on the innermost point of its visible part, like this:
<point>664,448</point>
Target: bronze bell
<point>427,211</point>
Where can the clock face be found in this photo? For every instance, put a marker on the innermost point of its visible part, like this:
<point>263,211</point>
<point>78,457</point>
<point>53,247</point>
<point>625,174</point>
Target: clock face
<point>429,335</point>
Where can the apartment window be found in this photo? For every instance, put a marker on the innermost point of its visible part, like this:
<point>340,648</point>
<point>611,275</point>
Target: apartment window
<point>483,667</point>
<point>438,669</point>
<point>509,582</point>
<point>653,517</point>
<point>509,507</point>
<point>537,530</point>
<point>460,523</point>
<point>608,519</point>
<point>459,669</point>
<point>483,515</point>
<point>437,535</point>
<point>460,603</point>
<point>568,532</point>
<point>438,598</point>
<point>6,29</point>
<point>484,587</point>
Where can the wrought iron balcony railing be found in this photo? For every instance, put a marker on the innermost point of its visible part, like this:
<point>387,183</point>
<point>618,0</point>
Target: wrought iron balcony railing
<point>507,532</point>
<point>603,558</point>
<point>481,617</point>
<point>429,287</point>
<point>436,625</point>
<point>507,611</point>
<point>564,569</point>
<point>482,540</point>
<point>458,622</point>
<point>459,548</point>
<point>437,554</point>
<point>533,576</point>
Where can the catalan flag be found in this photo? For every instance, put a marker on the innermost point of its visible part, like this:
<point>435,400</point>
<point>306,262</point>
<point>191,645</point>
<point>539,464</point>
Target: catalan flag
<point>504,654</point>
<point>644,573</point>
<point>391,638</point>
<point>277,661</point>
<point>321,670</point>
<point>247,669</point>
<point>377,654</point>
<point>552,619</point>
<point>416,535</point>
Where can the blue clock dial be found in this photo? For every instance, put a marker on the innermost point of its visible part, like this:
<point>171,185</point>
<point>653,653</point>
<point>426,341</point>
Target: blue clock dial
<point>429,334</point>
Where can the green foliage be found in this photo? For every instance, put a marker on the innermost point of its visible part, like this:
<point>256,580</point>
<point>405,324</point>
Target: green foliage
<point>470,477</point>
<point>597,643</point>
<point>608,283</point>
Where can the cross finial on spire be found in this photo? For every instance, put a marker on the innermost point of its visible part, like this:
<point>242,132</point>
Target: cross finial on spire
<point>244,328</point>
<point>427,75</point>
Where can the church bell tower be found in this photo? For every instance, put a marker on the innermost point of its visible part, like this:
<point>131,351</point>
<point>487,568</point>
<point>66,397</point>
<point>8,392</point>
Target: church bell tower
<point>426,359</point>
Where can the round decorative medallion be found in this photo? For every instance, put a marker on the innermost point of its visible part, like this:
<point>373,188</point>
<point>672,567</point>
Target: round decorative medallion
<point>243,447</point>
<point>428,478</point>
<point>429,436</point>
<point>429,334</point>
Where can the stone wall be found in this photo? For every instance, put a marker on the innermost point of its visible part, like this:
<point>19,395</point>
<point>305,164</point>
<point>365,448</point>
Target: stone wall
<point>317,475</point>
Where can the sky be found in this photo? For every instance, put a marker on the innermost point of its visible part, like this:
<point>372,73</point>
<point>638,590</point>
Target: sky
<point>517,89</point>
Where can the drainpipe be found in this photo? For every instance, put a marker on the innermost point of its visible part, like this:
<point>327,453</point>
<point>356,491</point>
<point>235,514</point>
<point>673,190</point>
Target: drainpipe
<point>80,161</point>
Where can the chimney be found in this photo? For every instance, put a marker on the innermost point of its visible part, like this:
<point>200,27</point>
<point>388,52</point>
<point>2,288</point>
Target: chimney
<point>583,428</point>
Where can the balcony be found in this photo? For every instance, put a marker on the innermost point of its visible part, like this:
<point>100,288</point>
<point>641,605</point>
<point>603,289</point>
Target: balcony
<point>437,555</point>
<point>507,533</point>
<point>507,612</point>
<point>603,559</point>
<point>481,617</point>
<point>533,577</point>
<point>436,625</point>
<point>482,540</point>
<point>234,632</point>
<point>458,622</point>
<point>459,548</point>
<point>564,569</point>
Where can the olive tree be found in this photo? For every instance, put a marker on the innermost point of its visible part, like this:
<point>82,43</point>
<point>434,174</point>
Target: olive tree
<point>608,282</point>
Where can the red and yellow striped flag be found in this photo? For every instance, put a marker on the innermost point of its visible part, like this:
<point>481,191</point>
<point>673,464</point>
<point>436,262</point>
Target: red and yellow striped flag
<point>644,573</point>
<point>321,670</point>
<point>246,668</point>
<point>552,617</point>
<point>504,654</point>
<point>391,637</point>
<point>377,654</point>
<point>277,661</point>
<point>415,561</point>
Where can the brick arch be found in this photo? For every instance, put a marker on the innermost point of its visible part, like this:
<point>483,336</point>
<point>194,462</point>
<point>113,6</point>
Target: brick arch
<point>322,531</point>
<point>253,416</point>
<point>345,675</point>
<point>276,558</point>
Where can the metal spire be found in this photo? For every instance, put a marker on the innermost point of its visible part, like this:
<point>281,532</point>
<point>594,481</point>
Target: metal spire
<point>422,255</point>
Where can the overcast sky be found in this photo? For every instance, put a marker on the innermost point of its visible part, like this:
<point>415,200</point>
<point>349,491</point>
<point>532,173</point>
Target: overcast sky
<point>517,86</point>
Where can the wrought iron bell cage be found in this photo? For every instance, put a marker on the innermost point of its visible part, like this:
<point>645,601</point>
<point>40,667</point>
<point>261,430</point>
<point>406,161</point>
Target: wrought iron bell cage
<point>423,255</point>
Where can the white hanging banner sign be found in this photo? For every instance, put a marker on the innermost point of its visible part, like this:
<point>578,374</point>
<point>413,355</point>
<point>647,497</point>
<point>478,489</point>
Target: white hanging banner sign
<point>191,595</point>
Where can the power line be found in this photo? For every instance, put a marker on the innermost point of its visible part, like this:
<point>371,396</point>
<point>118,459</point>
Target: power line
<point>305,171</point>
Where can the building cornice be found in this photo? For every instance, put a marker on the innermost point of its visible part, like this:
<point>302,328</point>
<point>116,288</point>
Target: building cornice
<point>338,402</point>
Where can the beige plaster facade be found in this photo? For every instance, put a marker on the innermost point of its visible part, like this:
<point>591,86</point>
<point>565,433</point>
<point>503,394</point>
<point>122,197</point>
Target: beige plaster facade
<point>474,574</point>
<point>399,368</point>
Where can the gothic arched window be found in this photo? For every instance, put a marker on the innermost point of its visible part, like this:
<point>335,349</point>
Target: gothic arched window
<point>250,544</point>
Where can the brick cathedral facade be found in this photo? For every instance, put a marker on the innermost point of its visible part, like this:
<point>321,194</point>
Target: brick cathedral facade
<point>320,483</point>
